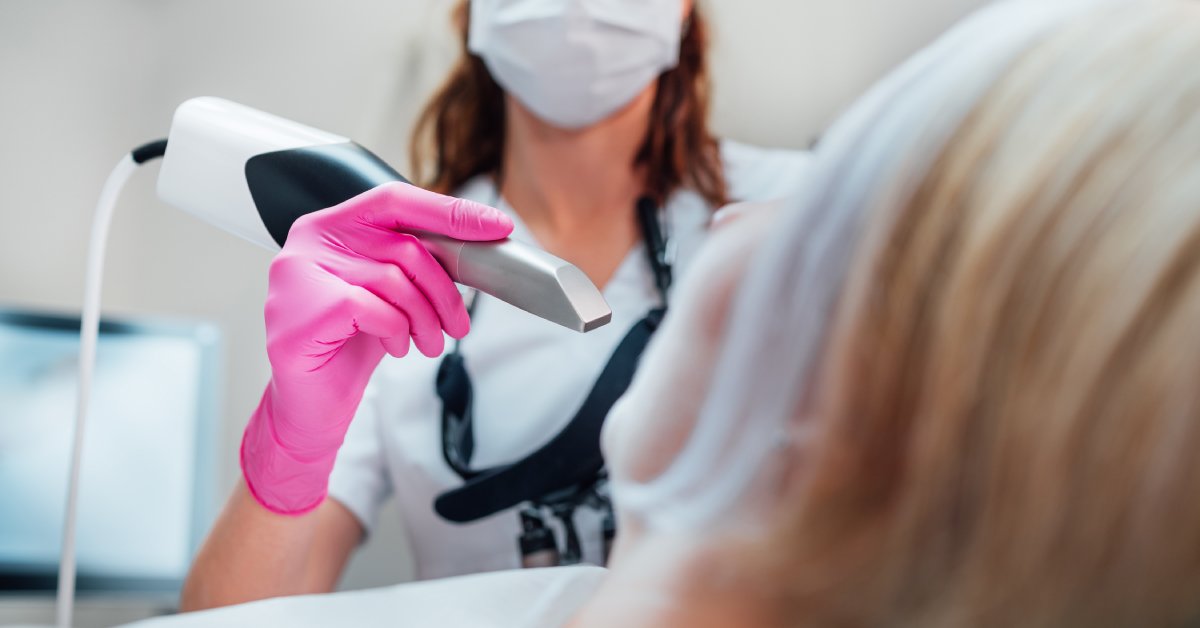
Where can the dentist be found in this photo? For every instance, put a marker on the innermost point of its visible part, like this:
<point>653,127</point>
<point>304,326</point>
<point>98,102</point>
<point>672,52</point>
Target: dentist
<point>585,123</point>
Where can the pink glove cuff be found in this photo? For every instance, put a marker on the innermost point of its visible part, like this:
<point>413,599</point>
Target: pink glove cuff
<point>282,483</point>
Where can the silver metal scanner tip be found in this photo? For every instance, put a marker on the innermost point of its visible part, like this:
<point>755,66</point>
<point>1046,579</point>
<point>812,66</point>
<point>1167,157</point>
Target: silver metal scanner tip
<point>589,309</point>
<point>525,277</point>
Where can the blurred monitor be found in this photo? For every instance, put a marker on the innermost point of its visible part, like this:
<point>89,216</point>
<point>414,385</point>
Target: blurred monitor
<point>146,494</point>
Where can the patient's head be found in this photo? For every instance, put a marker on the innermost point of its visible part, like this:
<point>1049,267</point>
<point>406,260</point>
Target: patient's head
<point>1001,422</point>
<point>1012,393</point>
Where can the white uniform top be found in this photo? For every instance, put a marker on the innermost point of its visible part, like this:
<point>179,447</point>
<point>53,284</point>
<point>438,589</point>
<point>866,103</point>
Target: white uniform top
<point>529,378</point>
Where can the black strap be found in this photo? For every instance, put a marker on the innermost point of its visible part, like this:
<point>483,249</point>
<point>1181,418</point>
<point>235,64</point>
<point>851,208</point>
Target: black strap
<point>570,464</point>
<point>458,434</point>
<point>656,245</point>
<point>571,458</point>
<point>453,386</point>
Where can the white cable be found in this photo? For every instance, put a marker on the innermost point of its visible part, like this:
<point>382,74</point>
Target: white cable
<point>89,330</point>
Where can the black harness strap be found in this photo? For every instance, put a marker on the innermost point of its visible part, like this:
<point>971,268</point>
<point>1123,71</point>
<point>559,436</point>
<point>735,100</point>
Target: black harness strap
<point>458,434</point>
<point>569,467</point>
<point>570,459</point>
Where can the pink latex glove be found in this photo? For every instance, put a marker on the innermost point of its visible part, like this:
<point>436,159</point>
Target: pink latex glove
<point>349,286</point>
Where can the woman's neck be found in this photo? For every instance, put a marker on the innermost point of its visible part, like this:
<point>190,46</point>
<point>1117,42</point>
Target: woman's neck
<point>576,190</point>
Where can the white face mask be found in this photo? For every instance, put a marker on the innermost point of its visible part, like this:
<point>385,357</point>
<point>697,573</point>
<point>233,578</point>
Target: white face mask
<point>574,63</point>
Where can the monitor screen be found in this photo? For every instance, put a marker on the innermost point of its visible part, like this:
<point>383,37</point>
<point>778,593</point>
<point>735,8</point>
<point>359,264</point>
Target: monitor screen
<point>145,495</point>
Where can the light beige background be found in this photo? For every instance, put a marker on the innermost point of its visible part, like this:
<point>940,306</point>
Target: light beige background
<point>82,82</point>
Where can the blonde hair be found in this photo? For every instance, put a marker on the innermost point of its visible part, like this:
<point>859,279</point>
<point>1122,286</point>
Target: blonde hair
<point>1011,395</point>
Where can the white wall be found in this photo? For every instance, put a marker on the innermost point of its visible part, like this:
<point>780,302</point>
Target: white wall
<point>81,82</point>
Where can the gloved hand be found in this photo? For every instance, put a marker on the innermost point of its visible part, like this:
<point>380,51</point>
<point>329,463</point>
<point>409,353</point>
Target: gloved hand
<point>349,286</point>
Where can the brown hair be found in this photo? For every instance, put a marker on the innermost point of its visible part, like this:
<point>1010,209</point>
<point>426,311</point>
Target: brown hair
<point>1011,395</point>
<point>462,129</point>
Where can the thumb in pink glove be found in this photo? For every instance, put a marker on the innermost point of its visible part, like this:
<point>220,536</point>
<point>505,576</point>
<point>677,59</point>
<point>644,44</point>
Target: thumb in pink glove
<point>350,285</point>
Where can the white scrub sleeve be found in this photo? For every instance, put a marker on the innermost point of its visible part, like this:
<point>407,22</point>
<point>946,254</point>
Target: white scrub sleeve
<point>756,174</point>
<point>360,479</point>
